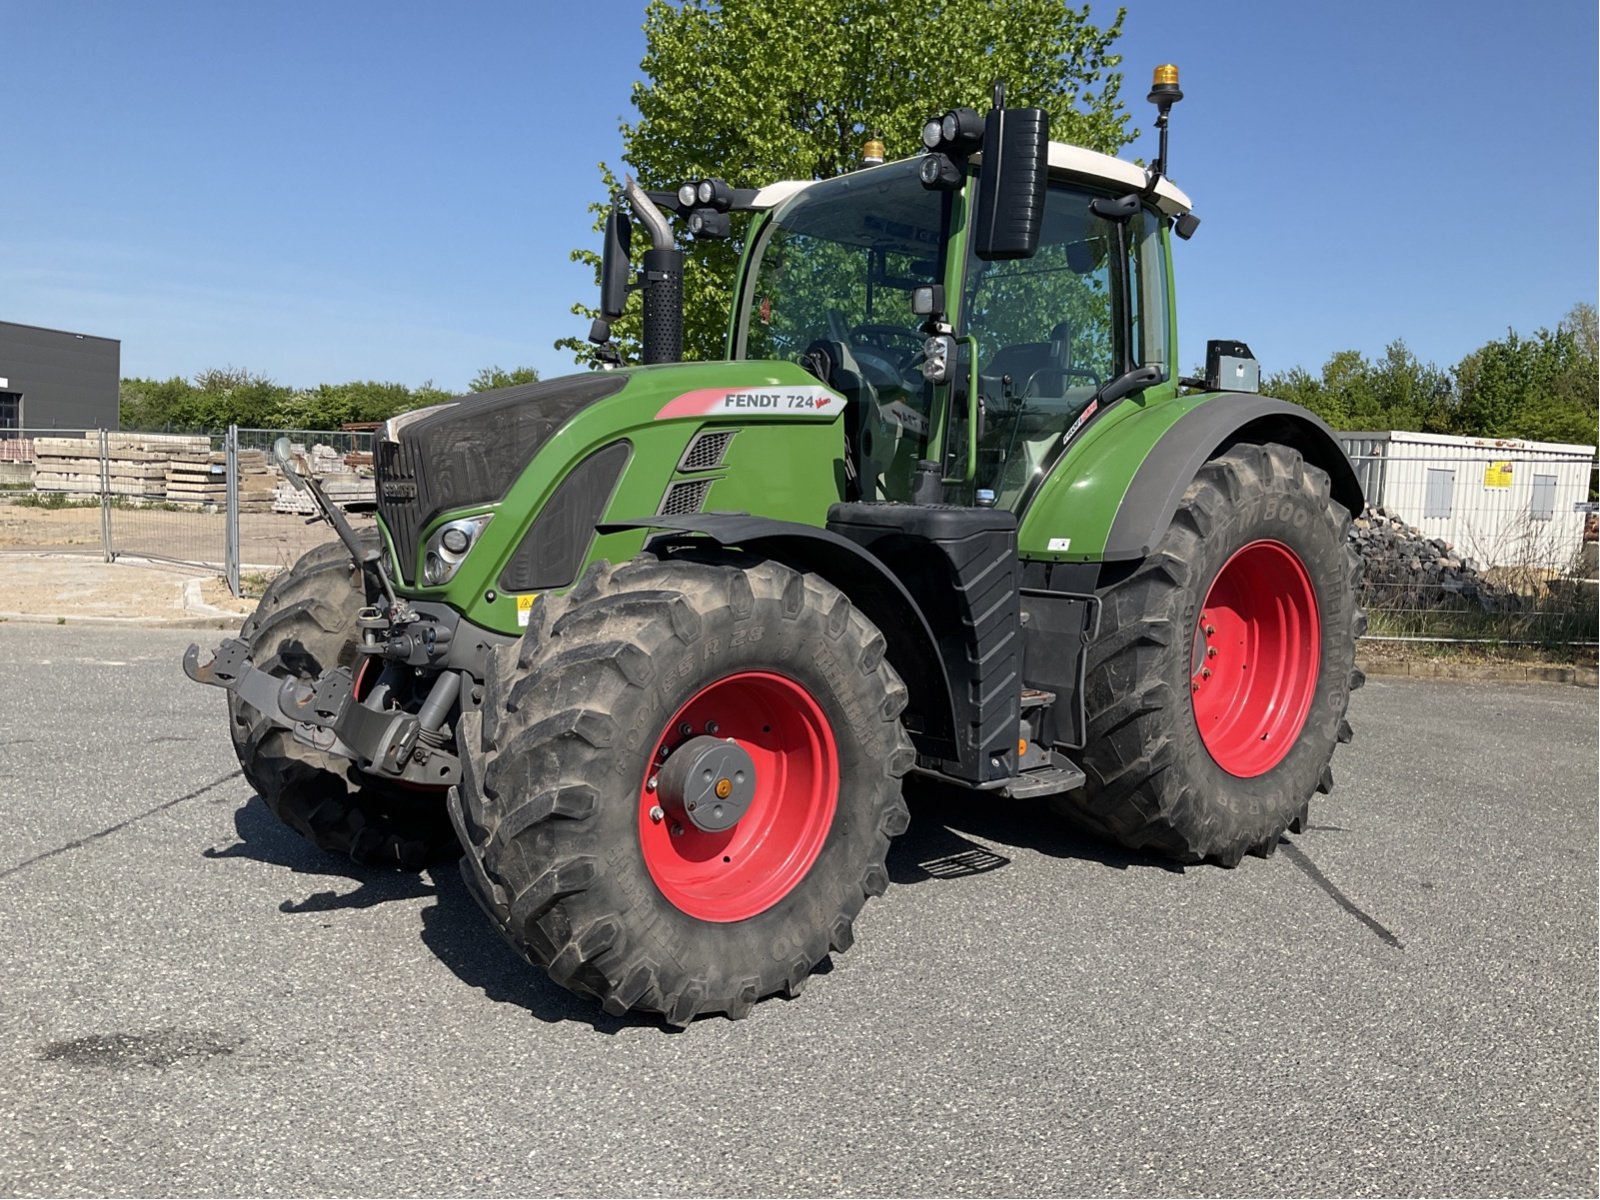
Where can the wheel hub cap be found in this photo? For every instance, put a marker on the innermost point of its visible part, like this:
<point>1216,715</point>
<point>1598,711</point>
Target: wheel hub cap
<point>738,795</point>
<point>708,782</point>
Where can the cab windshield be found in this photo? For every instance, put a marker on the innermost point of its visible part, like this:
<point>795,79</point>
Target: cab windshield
<point>1053,329</point>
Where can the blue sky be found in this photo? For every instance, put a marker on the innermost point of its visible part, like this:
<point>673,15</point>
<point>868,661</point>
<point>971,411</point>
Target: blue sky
<point>331,191</point>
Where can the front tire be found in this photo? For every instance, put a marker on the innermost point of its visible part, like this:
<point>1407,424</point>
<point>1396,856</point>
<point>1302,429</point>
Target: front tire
<point>1218,686</point>
<point>305,625</point>
<point>593,872</point>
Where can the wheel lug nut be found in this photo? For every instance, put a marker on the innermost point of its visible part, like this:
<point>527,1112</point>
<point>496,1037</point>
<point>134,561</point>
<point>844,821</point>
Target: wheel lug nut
<point>712,727</point>
<point>656,814</point>
<point>650,784</point>
<point>1205,672</point>
<point>663,752</point>
<point>1211,651</point>
<point>685,728</point>
<point>1210,629</point>
<point>677,830</point>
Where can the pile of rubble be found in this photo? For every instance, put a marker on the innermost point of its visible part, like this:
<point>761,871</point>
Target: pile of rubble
<point>1401,564</point>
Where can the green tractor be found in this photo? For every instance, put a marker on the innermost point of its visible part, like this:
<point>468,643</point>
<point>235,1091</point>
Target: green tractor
<point>658,647</point>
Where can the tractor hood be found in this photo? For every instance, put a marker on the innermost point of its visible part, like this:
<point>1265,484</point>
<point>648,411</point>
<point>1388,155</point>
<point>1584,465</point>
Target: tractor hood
<point>470,452</point>
<point>472,449</point>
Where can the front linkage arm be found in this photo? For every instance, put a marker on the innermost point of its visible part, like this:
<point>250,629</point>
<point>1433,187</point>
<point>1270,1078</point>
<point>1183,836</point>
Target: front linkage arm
<point>326,715</point>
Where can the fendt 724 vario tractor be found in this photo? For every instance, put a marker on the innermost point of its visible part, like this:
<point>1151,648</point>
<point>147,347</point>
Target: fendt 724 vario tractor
<point>660,645</point>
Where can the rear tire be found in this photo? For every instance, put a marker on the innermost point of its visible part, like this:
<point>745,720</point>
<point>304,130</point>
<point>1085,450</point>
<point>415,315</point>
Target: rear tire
<point>1209,745</point>
<point>305,625</point>
<point>557,804</point>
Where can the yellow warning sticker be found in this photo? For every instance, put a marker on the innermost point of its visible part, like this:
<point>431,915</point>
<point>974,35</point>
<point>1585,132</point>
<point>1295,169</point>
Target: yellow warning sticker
<point>524,607</point>
<point>1497,475</point>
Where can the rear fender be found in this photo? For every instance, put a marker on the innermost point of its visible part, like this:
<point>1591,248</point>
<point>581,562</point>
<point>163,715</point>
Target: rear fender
<point>1112,496</point>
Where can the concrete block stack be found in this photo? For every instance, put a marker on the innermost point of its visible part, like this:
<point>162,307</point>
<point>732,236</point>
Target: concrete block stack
<point>343,484</point>
<point>136,464</point>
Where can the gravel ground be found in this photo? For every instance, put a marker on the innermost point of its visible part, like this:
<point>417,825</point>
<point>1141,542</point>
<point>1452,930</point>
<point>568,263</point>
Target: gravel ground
<point>1402,1001</point>
<point>266,539</point>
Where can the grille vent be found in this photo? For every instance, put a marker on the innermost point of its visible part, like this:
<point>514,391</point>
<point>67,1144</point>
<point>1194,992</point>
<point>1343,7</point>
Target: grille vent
<point>684,497</point>
<point>706,450</point>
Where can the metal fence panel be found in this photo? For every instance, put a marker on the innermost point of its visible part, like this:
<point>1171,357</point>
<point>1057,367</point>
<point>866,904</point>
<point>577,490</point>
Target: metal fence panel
<point>182,516</point>
<point>1483,544</point>
<point>53,490</point>
<point>215,501</point>
<point>275,528</point>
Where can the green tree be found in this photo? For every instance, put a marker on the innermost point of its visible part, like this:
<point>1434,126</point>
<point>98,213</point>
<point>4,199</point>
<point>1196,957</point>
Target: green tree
<point>1396,392</point>
<point>1299,386</point>
<point>217,398</point>
<point>490,378</point>
<point>1543,387</point>
<point>148,404</point>
<point>754,91</point>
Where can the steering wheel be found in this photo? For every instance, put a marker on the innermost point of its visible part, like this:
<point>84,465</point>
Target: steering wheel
<point>873,337</point>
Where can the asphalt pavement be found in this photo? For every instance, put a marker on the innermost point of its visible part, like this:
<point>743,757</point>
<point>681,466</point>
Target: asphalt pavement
<point>1401,1001</point>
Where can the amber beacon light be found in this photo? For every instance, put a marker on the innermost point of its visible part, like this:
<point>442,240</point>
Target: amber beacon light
<point>1164,84</point>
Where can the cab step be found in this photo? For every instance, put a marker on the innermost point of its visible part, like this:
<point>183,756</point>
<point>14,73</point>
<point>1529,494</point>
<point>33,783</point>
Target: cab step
<point>1046,781</point>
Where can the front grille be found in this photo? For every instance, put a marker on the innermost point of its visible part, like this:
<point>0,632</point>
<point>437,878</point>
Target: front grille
<point>684,497</point>
<point>555,545</point>
<point>706,450</point>
<point>399,501</point>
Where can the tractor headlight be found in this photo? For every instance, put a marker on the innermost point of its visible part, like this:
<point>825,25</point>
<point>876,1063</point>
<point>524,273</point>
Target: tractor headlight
<point>936,353</point>
<point>939,171</point>
<point>933,133</point>
<point>447,547</point>
<point>686,196</point>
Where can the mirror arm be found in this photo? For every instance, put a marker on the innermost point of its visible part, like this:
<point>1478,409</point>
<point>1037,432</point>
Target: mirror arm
<point>653,218</point>
<point>330,512</point>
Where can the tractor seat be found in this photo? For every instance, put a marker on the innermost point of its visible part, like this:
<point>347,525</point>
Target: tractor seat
<point>1019,361</point>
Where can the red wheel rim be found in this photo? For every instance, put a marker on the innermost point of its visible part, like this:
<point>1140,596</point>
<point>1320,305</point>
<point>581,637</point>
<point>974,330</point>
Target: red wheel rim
<point>1254,664</point>
<point>739,872</point>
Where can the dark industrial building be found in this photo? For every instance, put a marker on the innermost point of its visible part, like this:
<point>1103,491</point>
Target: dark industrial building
<point>51,379</point>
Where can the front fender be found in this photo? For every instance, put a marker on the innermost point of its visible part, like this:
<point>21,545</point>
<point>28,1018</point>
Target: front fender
<point>912,648</point>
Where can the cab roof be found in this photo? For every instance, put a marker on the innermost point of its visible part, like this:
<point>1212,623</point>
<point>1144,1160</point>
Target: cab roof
<point>1065,161</point>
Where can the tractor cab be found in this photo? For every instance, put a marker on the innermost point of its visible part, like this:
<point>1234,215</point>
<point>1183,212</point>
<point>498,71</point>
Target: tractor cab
<point>832,281</point>
<point>976,306</point>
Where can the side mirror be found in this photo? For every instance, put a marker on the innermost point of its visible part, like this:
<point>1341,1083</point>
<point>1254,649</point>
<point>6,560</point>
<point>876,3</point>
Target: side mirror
<point>615,266</point>
<point>1230,367</point>
<point>283,456</point>
<point>1012,183</point>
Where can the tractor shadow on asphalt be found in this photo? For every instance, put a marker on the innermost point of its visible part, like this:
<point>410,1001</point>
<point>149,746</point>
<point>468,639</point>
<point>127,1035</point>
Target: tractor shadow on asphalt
<point>453,928</point>
<point>934,847</point>
<point>265,839</point>
<point>465,941</point>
